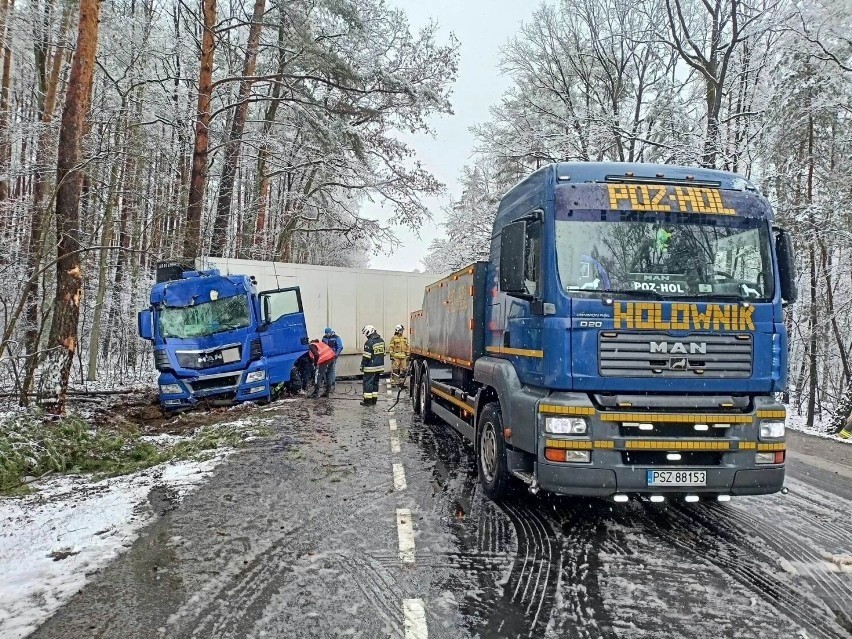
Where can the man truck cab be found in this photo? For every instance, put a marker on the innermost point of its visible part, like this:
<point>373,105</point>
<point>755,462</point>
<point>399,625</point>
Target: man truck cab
<point>217,339</point>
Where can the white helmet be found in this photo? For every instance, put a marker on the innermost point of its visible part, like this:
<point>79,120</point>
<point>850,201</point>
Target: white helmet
<point>399,328</point>
<point>368,330</point>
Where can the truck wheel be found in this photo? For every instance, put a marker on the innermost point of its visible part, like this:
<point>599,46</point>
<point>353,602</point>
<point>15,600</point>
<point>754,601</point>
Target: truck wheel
<point>491,453</point>
<point>295,384</point>
<point>424,394</point>
<point>414,388</point>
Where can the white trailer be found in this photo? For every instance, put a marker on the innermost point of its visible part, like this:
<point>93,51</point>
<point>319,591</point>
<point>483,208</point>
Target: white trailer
<point>343,298</point>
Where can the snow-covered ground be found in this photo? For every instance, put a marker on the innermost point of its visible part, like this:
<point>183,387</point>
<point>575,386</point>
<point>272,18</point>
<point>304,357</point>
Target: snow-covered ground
<point>52,541</point>
<point>819,429</point>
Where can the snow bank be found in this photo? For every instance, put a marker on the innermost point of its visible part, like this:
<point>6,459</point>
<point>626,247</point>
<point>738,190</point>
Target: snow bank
<point>819,429</point>
<point>51,542</point>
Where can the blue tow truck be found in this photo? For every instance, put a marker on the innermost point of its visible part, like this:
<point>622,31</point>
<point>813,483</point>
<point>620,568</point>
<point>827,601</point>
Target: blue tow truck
<point>217,340</point>
<point>626,337</point>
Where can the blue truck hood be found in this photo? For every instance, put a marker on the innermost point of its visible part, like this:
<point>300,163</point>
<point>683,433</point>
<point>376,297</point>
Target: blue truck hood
<point>670,346</point>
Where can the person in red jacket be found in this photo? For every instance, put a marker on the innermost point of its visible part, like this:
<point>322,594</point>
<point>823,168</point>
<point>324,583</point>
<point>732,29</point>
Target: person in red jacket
<point>322,356</point>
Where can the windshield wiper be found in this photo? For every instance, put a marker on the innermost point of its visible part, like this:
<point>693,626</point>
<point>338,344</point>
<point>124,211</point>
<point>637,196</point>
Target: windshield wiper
<point>645,293</point>
<point>722,297</point>
<point>641,292</point>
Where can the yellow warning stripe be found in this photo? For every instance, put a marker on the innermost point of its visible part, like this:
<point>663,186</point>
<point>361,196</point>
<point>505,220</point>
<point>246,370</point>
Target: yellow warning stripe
<point>568,444</point>
<point>650,444</point>
<point>769,414</point>
<point>553,409</point>
<point>579,444</point>
<point>451,399</point>
<point>522,352</point>
<point>660,445</point>
<point>676,418</point>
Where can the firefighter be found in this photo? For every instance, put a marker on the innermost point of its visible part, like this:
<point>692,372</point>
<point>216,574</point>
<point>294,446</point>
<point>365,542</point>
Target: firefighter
<point>399,356</point>
<point>336,344</point>
<point>322,356</point>
<point>372,364</point>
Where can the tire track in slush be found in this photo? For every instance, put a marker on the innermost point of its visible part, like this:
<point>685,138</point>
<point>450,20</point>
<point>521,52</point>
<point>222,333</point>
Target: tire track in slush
<point>836,587</point>
<point>242,597</point>
<point>233,609</point>
<point>525,607</point>
<point>699,535</point>
<point>582,540</point>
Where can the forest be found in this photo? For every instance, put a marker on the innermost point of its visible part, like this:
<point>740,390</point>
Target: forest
<point>139,131</point>
<point>134,132</point>
<point>761,88</point>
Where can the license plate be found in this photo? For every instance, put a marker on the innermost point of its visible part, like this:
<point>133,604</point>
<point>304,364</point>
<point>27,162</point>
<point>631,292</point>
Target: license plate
<point>677,477</point>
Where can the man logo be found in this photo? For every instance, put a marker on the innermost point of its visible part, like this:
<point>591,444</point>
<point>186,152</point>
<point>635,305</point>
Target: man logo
<point>682,348</point>
<point>678,364</point>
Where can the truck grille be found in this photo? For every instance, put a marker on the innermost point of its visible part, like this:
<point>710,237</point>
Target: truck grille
<point>652,459</point>
<point>661,355</point>
<point>225,382</point>
<point>199,360</point>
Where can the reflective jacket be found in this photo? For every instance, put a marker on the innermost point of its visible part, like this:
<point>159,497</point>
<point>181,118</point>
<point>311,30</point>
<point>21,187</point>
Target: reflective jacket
<point>373,360</point>
<point>320,353</point>
<point>399,347</point>
<point>334,342</point>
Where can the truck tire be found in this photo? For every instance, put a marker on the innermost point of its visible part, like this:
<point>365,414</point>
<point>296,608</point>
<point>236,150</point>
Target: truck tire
<point>295,384</point>
<point>414,387</point>
<point>491,453</point>
<point>424,394</point>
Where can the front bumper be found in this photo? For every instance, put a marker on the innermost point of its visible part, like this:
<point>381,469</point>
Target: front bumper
<point>620,453</point>
<point>223,388</point>
<point>571,479</point>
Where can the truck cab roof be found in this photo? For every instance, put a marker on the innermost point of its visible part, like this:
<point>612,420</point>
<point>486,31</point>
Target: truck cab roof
<point>609,172</point>
<point>539,186</point>
<point>199,286</point>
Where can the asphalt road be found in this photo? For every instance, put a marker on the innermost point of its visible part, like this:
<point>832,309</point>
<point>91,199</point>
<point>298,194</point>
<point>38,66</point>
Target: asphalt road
<point>342,526</point>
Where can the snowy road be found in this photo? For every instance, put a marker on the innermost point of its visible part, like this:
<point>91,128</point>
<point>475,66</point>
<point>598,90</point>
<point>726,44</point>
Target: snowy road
<point>355,522</point>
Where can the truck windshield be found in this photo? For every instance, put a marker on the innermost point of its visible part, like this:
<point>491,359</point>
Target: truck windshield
<point>206,318</point>
<point>673,255</point>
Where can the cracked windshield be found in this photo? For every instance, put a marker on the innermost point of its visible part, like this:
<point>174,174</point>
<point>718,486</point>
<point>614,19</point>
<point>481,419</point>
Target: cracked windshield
<point>426,319</point>
<point>206,318</point>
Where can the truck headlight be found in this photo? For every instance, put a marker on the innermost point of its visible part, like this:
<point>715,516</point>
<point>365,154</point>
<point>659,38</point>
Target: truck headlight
<point>255,376</point>
<point>170,389</point>
<point>565,425</point>
<point>771,430</point>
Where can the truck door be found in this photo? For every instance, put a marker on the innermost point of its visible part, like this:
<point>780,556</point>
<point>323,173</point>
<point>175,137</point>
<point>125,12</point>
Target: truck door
<point>520,255</point>
<point>283,331</point>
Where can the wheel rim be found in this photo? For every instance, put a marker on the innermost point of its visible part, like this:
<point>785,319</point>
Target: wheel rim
<point>488,452</point>
<point>422,397</point>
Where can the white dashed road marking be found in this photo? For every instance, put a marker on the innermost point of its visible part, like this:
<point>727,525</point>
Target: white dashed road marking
<point>414,614</point>
<point>399,482</point>
<point>406,535</point>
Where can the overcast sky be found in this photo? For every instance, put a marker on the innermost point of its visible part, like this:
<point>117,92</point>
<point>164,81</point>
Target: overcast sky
<point>482,27</point>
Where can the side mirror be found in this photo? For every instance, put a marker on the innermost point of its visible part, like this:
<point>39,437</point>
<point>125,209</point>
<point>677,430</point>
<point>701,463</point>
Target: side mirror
<point>145,322</point>
<point>786,266</point>
<point>264,311</point>
<point>513,257</point>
